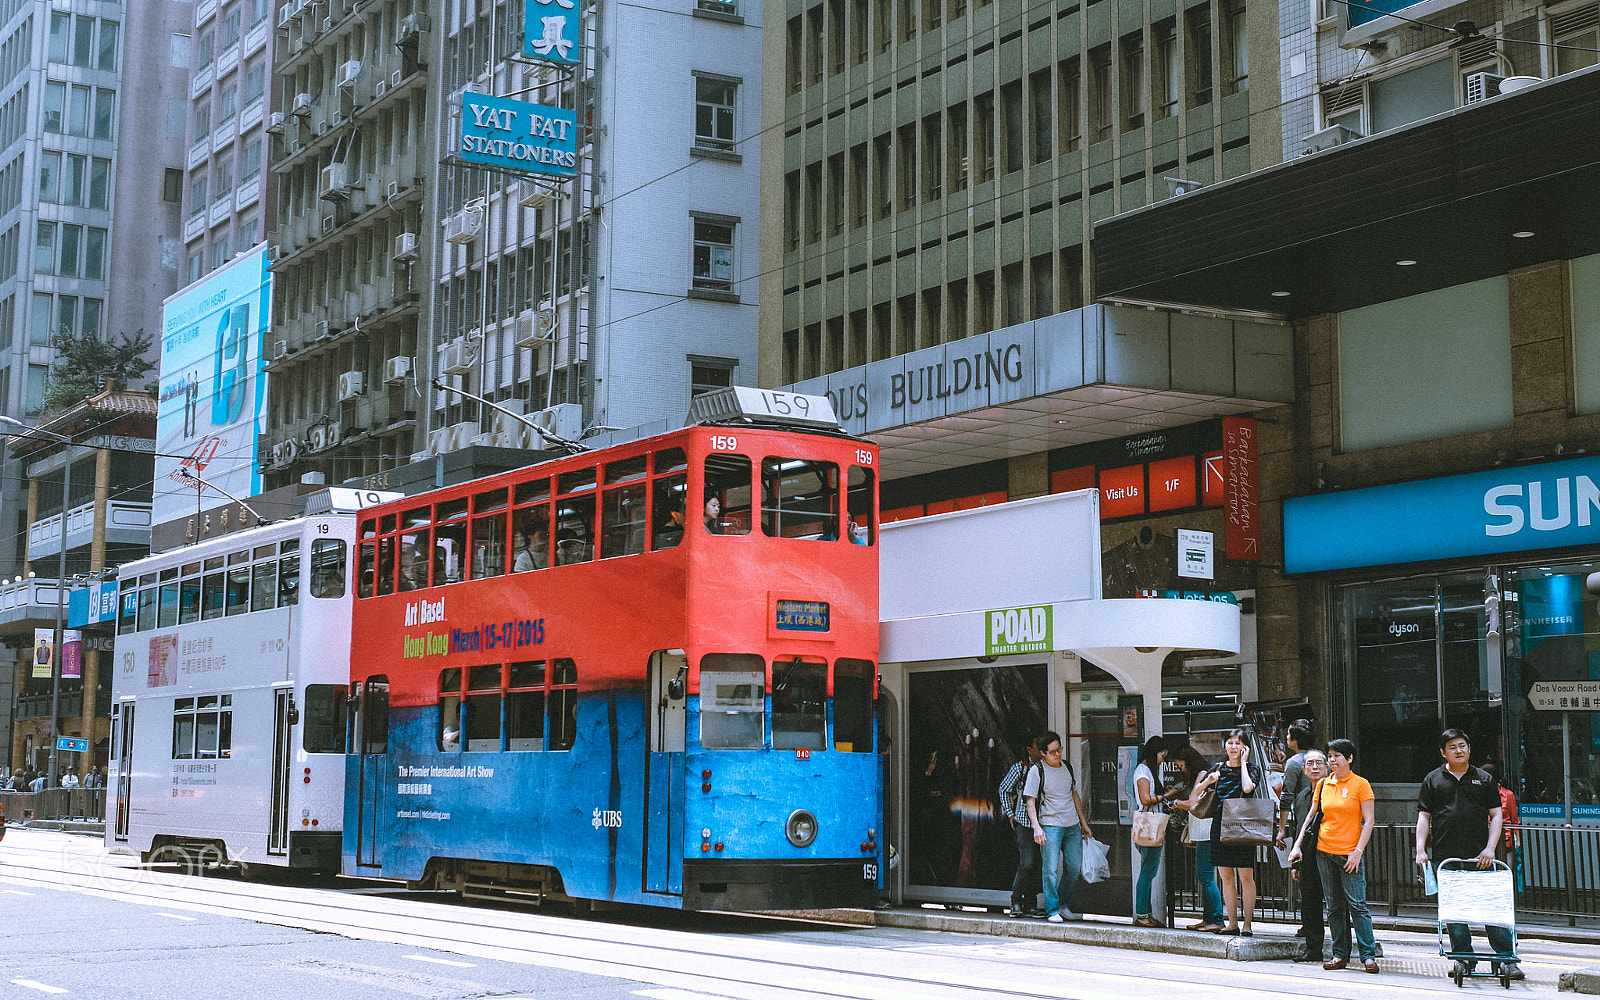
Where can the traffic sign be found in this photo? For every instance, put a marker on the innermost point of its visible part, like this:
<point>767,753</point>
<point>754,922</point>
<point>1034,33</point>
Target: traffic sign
<point>1565,696</point>
<point>72,745</point>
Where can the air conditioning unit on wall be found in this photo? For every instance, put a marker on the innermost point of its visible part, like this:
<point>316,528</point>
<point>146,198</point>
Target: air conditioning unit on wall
<point>463,227</point>
<point>351,385</point>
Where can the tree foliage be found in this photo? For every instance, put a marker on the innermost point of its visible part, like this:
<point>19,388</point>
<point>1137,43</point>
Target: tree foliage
<point>84,361</point>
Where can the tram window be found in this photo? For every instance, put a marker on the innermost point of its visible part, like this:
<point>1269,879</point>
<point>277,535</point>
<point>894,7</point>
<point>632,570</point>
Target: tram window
<point>324,718</point>
<point>576,481</point>
<point>728,484</point>
<point>415,549</point>
<point>205,728</point>
<point>264,585</point>
<point>452,509</point>
<point>191,569</point>
<point>622,520</point>
<point>491,500</point>
<point>799,698</point>
<point>533,491</point>
<point>183,729</point>
<point>375,715</point>
<point>563,702</point>
<point>289,574</point>
<point>265,552</point>
<point>732,701</point>
<point>369,528</point>
<point>860,529</point>
<point>327,568</point>
<point>386,524</point>
<point>215,562</point>
<point>449,552</point>
<point>367,562</point>
<point>525,707</point>
<point>670,460</point>
<point>668,511</point>
<point>799,498</point>
<point>625,471</point>
<point>852,705</point>
<point>238,597</point>
<point>386,566</point>
<point>212,591</point>
<point>482,708</point>
<point>235,558</point>
<point>575,529</point>
<point>488,545</point>
<point>530,539</point>
<point>189,601</point>
<point>417,517</point>
<point>128,615</point>
<point>202,727</point>
<point>168,614</point>
<point>450,710</point>
<point>168,575</point>
<point>147,609</point>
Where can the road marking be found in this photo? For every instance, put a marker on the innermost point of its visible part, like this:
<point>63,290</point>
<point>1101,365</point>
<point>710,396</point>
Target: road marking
<point>1286,978</point>
<point>174,916</point>
<point>440,961</point>
<point>16,892</point>
<point>41,987</point>
<point>671,994</point>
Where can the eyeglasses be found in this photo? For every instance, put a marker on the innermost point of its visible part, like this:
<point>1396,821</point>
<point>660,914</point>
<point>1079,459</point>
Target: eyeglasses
<point>1053,751</point>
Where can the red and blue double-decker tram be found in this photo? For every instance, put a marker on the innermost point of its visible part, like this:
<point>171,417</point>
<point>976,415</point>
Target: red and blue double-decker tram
<point>643,674</point>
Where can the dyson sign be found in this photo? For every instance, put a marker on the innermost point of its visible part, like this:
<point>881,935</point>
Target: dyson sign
<point>1552,505</point>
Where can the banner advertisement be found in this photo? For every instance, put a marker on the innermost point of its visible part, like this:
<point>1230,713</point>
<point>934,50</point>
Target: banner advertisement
<point>44,652</point>
<point>71,654</point>
<point>1242,538</point>
<point>212,404</point>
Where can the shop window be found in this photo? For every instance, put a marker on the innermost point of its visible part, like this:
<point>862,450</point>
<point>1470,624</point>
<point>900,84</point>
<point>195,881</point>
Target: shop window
<point>732,701</point>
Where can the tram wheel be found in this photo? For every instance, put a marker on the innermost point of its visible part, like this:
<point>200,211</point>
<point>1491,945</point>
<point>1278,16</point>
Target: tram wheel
<point>207,856</point>
<point>1458,972</point>
<point>172,854</point>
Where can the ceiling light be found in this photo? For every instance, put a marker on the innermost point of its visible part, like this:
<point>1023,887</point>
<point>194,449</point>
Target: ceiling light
<point>1280,295</point>
<point>1522,235</point>
<point>1405,263</point>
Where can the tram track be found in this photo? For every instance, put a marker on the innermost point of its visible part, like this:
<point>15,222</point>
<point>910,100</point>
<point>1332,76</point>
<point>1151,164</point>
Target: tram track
<point>735,965</point>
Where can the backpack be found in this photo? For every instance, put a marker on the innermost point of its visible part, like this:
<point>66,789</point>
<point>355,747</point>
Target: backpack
<point>1039,766</point>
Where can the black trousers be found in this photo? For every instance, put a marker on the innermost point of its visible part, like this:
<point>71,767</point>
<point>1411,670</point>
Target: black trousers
<point>1313,920</point>
<point>1026,886</point>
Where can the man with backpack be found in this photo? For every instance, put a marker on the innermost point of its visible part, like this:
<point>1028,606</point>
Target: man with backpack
<point>1025,887</point>
<point>1059,823</point>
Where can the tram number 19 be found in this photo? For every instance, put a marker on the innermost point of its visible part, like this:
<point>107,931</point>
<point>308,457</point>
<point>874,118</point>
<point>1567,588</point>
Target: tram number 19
<point>724,442</point>
<point>869,872</point>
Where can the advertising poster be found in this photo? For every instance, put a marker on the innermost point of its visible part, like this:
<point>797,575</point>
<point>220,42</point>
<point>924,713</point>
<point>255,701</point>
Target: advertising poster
<point>972,725</point>
<point>212,403</point>
<point>71,654</point>
<point>44,652</point>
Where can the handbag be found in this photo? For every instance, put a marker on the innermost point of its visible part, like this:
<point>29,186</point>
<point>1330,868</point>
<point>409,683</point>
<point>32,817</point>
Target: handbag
<point>1249,821</point>
<point>1198,831</point>
<point>1150,827</point>
<point>1206,804</point>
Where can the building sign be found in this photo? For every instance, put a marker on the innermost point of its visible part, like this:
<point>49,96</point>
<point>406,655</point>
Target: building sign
<point>1017,630</point>
<point>1122,491</point>
<point>551,31</point>
<point>1195,555</point>
<point>1242,539</point>
<point>1553,505</point>
<point>517,136</point>
<point>1565,696</point>
<point>212,406</point>
<point>93,604</point>
<point>72,744</point>
<point>1172,485</point>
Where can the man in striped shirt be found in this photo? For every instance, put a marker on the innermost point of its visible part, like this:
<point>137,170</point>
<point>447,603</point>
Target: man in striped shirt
<point>1025,887</point>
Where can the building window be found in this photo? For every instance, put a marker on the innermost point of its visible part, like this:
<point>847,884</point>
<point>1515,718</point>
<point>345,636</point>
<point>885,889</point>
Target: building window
<point>227,100</point>
<point>983,137</point>
<point>814,44</point>
<point>44,249</point>
<point>197,193</point>
<point>1134,82</point>
<point>221,248</point>
<point>1011,106</point>
<point>172,185</point>
<point>880,177</point>
<point>1043,119</point>
<point>196,266</point>
<point>708,374</point>
<point>255,77</point>
<point>107,57</point>
<point>1070,105</point>
<point>836,194</point>
<point>55,106</point>
<point>1578,35</point>
<point>1198,20</point>
<point>791,210</point>
<point>932,158</point>
<point>713,253</point>
<point>83,42</point>
<point>858,186</point>
<point>60,27</point>
<point>958,159</point>
<point>796,55</point>
<point>906,179</point>
<point>714,112</point>
<point>1236,48</point>
<point>1100,81</point>
<point>836,36</point>
<point>813,203</point>
<point>1166,75</point>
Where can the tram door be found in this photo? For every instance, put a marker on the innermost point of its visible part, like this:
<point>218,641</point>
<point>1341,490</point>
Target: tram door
<point>122,726</point>
<point>282,721</point>
<point>372,786</point>
<point>664,785</point>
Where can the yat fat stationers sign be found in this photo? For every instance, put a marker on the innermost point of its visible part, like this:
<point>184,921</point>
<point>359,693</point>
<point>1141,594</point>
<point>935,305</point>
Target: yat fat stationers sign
<point>503,134</point>
<point>551,30</point>
<point>1017,630</point>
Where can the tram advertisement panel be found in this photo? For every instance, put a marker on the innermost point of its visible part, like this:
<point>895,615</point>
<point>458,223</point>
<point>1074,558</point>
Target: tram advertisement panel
<point>971,726</point>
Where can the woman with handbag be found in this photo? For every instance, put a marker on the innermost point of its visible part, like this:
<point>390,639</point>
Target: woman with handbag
<point>1347,808</point>
<point>1236,778</point>
<point>1149,825</point>
<point>1197,834</point>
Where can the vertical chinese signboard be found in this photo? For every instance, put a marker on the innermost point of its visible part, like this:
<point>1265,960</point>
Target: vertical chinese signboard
<point>1242,539</point>
<point>551,31</point>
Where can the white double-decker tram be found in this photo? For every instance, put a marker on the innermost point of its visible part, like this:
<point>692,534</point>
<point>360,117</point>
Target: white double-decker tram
<point>229,697</point>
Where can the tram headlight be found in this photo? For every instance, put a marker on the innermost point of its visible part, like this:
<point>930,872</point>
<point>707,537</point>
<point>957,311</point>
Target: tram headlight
<point>801,829</point>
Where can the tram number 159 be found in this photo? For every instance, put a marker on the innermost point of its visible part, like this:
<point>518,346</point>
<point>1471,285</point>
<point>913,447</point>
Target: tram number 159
<point>869,872</point>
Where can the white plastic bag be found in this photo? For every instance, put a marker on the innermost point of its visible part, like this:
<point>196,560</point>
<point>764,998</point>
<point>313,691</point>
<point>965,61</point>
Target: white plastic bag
<point>1096,861</point>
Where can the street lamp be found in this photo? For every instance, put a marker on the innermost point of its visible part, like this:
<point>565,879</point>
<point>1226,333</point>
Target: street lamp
<point>54,770</point>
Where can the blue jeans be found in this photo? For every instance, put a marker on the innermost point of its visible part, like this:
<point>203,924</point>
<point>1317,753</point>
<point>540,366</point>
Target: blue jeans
<point>1210,892</point>
<point>1149,861</point>
<point>1461,934</point>
<point>1059,881</point>
<point>1346,894</point>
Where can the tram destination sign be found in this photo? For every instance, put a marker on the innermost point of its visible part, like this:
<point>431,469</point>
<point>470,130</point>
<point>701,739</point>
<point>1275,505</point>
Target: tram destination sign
<point>518,137</point>
<point>1565,696</point>
<point>802,616</point>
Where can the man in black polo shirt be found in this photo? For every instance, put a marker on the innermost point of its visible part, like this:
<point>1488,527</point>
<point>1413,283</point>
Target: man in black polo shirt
<point>1460,806</point>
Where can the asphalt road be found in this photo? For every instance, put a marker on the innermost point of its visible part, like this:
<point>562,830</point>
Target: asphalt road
<point>81,923</point>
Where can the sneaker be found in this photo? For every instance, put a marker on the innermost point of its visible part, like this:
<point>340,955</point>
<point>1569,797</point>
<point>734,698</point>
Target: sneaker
<point>1036,914</point>
<point>1055,918</point>
<point>1150,922</point>
<point>1069,915</point>
<point>1015,911</point>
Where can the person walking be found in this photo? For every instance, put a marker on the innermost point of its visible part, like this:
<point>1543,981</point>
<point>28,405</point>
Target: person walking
<point>1025,886</point>
<point>1060,825</point>
<point>1458,806</point>
<point>1235,778</point>
<point>1347,804</point>
<point>1314,764</point>
<point>1148,789</point>
<point>1511,821</point>
<point>1197,834</point>
<point>1299,740</point>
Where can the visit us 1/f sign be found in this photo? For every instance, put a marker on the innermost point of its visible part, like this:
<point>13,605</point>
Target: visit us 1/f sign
<point>1017,630</point>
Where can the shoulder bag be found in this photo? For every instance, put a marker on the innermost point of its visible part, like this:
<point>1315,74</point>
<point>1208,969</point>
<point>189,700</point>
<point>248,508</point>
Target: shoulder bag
<point>1249,821</point>
<point>1149,822</point>
<point>1206,805</point>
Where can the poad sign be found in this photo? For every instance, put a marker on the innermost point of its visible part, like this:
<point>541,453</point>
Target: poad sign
<point>517,136</point>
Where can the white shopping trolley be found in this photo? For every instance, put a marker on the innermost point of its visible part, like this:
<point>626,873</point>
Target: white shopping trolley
<point>1472,895</point>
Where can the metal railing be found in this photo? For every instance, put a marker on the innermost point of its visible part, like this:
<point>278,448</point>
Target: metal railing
<point>86,804</point>
<point>1557,872</point>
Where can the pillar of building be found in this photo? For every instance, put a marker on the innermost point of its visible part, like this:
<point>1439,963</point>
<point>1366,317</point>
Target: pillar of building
<point>97,562</point>
<point>24,669</point>
<point>33,515</point>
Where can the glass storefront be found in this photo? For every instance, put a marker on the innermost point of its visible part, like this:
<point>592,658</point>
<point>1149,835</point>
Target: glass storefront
<point>1424,654</point>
